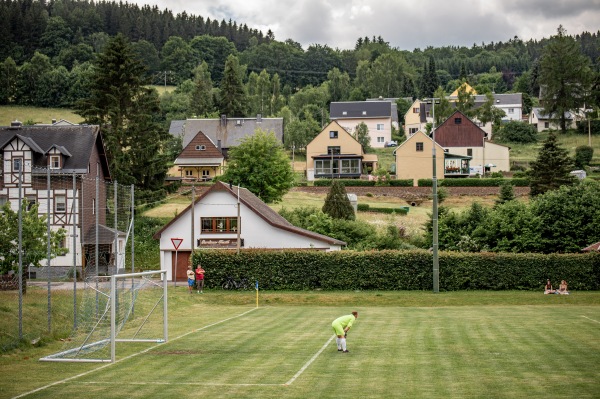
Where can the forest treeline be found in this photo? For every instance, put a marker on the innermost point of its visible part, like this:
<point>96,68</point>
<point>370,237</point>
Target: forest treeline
<point>72,32</point>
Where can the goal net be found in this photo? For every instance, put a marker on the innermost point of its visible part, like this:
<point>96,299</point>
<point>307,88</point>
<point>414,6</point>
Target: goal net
<point>119,308</point>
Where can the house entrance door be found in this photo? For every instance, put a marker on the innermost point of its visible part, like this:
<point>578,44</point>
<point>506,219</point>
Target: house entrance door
<point>178,272</point>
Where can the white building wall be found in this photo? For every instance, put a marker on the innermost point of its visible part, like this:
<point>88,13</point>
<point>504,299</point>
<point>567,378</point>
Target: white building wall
<point>255,231</point>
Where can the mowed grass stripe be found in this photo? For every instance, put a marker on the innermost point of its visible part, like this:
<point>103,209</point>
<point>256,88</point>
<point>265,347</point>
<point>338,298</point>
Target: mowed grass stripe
<point>417,352</point>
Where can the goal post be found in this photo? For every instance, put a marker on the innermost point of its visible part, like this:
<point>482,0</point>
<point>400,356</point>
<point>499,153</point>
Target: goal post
<point>128,307</point>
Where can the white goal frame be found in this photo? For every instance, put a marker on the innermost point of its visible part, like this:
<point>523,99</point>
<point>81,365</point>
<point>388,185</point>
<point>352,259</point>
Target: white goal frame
<point>114,330</point>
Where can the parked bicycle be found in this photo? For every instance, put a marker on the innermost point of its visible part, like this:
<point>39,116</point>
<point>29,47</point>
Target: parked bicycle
<point>232,284</point>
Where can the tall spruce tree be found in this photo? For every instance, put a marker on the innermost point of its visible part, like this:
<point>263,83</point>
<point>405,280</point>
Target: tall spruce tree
<point>128,114</point>
<point>337,205</point>
<point>202,103</point>
<point>233,95</point>
<point>565,77</point>
<point>551,169</point>
<point>429,80</point>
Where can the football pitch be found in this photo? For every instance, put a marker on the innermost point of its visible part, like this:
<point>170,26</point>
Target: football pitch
<point>284,350</point>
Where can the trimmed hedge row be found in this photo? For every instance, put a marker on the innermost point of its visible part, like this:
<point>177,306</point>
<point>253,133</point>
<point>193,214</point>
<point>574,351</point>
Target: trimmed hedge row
<point>458,182</point>
<point>345,182</point>
<point>402,183</point>
<point>403,210</point>
<point>399,270</point>
<point>472,182</point>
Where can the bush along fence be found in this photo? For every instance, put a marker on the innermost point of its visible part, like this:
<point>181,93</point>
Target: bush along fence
<point>398,270</point>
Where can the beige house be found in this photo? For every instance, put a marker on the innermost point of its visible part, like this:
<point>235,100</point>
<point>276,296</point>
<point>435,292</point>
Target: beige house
<point>200,160</point>
<point>461,136</point>
<point>335,153</point>
<point>414,158</point>
<point>414,120</point>
<point>543,121</point>
<point>377,115</point>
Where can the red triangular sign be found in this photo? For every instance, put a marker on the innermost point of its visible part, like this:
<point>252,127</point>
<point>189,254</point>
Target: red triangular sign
<point>176,242</point>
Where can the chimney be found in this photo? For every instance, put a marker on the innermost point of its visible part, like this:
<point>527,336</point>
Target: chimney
<point>258,118</point>
<point>219,145</point>
<point>223,120</point>
<point>53,121</point>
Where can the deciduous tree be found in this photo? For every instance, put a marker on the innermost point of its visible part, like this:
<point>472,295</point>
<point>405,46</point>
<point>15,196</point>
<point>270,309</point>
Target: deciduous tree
<point>261,165</point>
<point>34,238</point>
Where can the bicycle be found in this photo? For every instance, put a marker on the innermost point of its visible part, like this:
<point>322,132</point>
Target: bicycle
<point>231,284</point>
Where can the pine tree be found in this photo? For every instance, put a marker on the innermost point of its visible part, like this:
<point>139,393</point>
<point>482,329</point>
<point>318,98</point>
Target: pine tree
<point>507,193</point>
<point>202,97</point>
<point>337,205</point>
<point>127,113</point>
<point>233,96</point>
<point>551,169</point>
<point>564,75</point>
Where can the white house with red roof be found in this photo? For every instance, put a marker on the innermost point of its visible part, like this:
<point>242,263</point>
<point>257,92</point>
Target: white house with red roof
<point>223,216</point>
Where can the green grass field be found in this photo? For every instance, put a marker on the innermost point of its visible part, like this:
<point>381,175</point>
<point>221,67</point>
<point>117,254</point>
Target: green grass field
<point>10,113</point>
<point>404,344</point>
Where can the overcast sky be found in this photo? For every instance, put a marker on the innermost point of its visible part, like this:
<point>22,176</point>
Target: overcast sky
<point>404,24</point>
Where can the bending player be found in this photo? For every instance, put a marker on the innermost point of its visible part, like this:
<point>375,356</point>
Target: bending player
<point>341,325</point>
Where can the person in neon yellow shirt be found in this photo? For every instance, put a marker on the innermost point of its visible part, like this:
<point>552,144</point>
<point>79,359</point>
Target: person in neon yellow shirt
<point>341,325</point>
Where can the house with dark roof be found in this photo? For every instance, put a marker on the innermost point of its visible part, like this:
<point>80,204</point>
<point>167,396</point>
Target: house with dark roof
<point>72,158</point>
<point>222,134</point>
<point>377,115</point>
<point>460,136</point>
<point>421,112</point>
<point>200,160</point>
<point>230,217</point>
<point>335,153</point>
<point>543,121</point>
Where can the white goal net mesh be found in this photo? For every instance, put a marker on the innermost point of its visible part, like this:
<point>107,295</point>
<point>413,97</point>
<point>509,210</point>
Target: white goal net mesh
<point>118,308</point>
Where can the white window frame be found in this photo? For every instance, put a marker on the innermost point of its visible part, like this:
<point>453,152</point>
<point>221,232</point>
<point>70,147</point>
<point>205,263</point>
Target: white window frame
<point>54,162</point>
<point>60,203</point>
<point>380,126</point>
<point>381,139</point>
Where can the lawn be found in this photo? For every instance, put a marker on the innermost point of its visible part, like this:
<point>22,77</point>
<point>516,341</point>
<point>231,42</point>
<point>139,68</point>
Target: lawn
<point>404,344</point>
<point>9,113</point>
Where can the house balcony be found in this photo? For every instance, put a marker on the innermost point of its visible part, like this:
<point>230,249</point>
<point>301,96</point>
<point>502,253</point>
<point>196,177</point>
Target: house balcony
<point>456,172</point>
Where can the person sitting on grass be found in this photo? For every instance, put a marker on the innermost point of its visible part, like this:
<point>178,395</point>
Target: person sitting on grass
<point>548,289</point>
<point>562,288</point>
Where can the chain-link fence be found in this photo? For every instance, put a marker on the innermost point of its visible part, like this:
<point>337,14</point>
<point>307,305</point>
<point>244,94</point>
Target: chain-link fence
<point>66,227</point>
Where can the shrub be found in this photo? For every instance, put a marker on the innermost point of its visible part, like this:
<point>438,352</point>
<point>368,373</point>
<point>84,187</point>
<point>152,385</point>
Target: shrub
<point>517,132</point>
<point>583,156</point>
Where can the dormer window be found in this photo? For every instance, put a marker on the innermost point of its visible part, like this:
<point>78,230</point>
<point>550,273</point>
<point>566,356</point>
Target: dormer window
<point>54,162</point>
<point>200,147</point>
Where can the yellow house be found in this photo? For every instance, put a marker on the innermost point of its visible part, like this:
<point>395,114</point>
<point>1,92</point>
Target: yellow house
<point>414,120</point>
<point>336,153</point>
<point>467,87</point>
<point>414,158</point>
<point>200,160</point>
